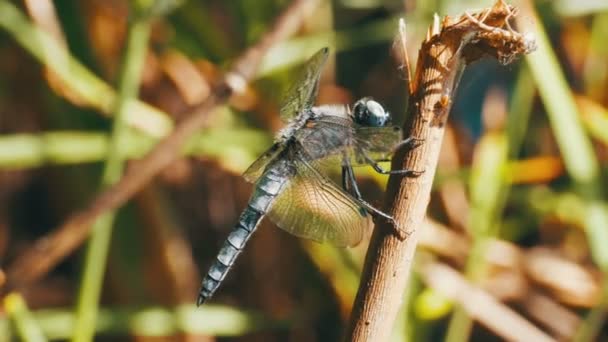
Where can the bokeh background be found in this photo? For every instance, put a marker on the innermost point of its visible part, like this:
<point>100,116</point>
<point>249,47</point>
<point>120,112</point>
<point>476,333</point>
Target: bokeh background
<point>519,207</point>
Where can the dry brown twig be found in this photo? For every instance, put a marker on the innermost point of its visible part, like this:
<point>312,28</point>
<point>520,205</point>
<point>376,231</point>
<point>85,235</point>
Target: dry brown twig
<point>51,249</point>
<point>513,279</point>
<point>447,49</point>
<point>560,321</point>
<point>578,285</point>
<point>484,308</point>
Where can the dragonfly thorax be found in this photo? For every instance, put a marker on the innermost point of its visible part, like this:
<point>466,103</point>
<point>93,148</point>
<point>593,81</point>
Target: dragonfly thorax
<point>367,112</point>
<point>287,132</point>
<point>307,117</point>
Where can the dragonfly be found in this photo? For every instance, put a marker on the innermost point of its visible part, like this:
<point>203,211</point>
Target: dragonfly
<point>290,186</point>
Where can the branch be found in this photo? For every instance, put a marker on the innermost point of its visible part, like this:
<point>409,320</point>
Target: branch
<point>51,249</point>
<point>447,49</point>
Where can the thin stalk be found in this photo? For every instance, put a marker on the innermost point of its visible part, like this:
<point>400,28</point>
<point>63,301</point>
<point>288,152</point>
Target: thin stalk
<point>97,248</point>
<point>595,71</point>
<point>155,322</point>
<point>520,109</point>
<point>229,144</point>
<point>563,114</point>
<point>489,189</point>
<point>595,119</point>
<point>577,152</point>
<point>25,324</point>
<point>23,151</point>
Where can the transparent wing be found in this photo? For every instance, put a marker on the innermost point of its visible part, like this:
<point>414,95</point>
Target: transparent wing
<point>312,206</point>
<point>304,91</point>
<point>335,135</point>
<point>255,170</point>
<point>326,136</point>
<point>378,142</point>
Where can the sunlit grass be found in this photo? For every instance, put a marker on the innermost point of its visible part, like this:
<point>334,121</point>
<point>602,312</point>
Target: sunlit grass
<point>222,321</point>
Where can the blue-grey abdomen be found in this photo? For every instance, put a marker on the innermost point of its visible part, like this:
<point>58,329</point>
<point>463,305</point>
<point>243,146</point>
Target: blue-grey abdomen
<point>266,190</point>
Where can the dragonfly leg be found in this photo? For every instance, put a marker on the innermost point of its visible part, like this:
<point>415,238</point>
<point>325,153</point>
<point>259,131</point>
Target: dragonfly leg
<point>350,185</point>
<point>379,169</point>
<point>345,180</point>
<point>404,172</point>
<point>409,144</point>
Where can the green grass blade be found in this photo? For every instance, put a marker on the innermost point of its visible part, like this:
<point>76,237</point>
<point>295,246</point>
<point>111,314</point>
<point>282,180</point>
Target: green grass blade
<point>487,189</point>
<point>576,149</point>
<point>26,327</point>
<point>490,186</point>
<point>234,147</point>
<point>564,117</point>
<point>595,70</point>
<point>213,320</point>
<point>98,246</point>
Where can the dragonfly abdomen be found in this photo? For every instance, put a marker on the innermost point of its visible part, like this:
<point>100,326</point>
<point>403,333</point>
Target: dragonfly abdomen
<point>266,190</point>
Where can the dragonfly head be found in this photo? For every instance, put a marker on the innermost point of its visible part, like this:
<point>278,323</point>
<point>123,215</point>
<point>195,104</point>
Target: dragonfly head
<point>367,112</point>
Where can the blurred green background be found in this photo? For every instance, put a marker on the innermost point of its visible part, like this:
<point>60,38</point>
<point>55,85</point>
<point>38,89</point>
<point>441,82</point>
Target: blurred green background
<point>519,206</point>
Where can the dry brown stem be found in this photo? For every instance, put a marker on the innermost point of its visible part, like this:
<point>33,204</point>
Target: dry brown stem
<point>448,47</point>
<point>49,250</point>
<point>578,285</point>
<point>512,277</point>
<point>558,320</point>
<point>480,305</point>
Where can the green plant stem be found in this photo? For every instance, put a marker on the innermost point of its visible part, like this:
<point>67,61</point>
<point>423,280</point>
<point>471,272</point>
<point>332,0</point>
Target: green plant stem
<point>595,70</point>
<point>98,246</point>
<point>490,186</point>
<point>520,109</point>
<point>154,321</point>
<point>576,149</point>
<point>22,151</point>
<point>596,122</point>
<point>25,325</point>
<point>563,114</point>
<point>487,188</point>
<point>228,144</point>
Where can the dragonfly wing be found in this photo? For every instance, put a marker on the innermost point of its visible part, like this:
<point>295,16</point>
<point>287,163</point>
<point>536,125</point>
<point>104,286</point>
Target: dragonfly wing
<point>255,170</point>
<point>338,135</point>
<point>305,89</point>
<point>312,206</point>
<point>326,137</point>
<point>378,143</point>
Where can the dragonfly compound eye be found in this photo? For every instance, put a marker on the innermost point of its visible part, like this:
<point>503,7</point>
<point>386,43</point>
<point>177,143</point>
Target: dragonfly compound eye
<point>368,112</point>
